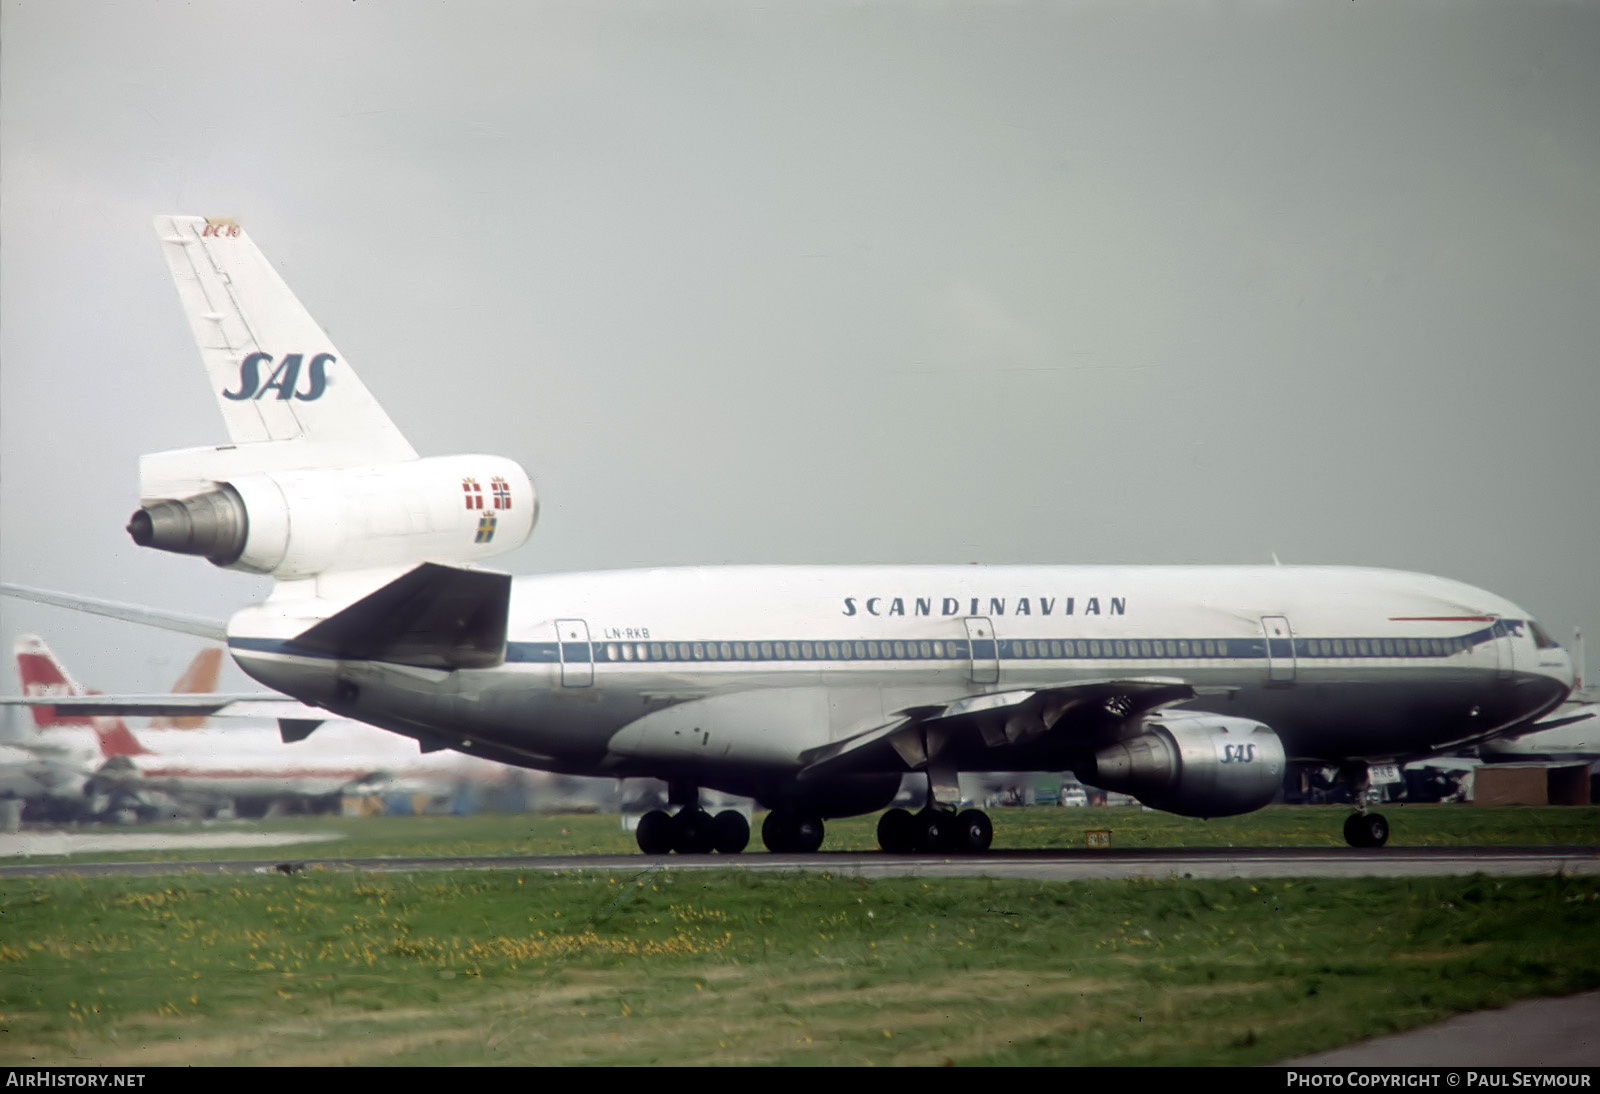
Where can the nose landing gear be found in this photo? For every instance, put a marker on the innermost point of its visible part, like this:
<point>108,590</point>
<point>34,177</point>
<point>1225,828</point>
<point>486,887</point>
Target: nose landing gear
<point>1361,828</point>
<point>1366,830</point>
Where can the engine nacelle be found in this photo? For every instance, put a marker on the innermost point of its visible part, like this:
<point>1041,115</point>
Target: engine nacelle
<point>1195,765</point>
<point>300,523</point>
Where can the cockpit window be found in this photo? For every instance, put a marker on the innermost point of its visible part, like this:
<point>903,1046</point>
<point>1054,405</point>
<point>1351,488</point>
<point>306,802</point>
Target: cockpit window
<point>1541,639</point>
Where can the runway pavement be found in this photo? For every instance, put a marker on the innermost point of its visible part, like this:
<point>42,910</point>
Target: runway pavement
<point>1075,865</point>
<point>1535,1033</point>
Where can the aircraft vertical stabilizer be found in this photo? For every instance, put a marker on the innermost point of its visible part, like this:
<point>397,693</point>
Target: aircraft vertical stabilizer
<point>42,674</point>
<point>288,397</point>
<point>199,678</point>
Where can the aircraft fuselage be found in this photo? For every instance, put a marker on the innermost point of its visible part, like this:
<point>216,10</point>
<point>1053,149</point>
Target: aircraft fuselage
<point>733,675</point>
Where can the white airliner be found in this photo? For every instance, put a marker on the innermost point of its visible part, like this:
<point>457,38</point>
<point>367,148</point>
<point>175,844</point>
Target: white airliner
<point>182,765</point>
<point>53,767</point>
<point>812,689</point>
<point>1570,735</point>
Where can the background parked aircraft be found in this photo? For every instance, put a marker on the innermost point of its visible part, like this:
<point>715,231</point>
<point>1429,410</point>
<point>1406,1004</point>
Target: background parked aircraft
<point>76,766</point>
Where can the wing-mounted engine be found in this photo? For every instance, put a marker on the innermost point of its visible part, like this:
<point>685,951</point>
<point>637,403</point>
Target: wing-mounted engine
<point>297,523</point>
<point>1195,765</point>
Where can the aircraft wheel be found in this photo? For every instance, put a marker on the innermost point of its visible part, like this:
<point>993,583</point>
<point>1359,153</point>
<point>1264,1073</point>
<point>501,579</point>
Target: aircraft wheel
<point>974,832</point>
<point>692,832</point>
<point>730,832</point>
<point>654,832</point>
<point>1366,830</point>
<point>935,829</point>
<point>792,833</point>
<point>897,832</point>
<point>775,833</point>
<point>808,834</point>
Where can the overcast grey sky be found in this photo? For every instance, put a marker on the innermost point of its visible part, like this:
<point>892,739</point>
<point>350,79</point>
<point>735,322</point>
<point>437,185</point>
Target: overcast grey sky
<point>836,282</point>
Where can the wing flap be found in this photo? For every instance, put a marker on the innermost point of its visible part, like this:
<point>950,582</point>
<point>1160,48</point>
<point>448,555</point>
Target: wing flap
<point>1000,719</point>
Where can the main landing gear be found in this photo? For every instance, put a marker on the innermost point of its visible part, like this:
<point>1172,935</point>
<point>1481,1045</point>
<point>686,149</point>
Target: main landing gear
<point>790,832</point>
<point>937,827</point>
<point>691,830</point>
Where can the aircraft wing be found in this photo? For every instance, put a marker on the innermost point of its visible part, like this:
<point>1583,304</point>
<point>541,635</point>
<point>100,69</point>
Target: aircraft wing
<point>252,705</point>
<point>1002,718</point>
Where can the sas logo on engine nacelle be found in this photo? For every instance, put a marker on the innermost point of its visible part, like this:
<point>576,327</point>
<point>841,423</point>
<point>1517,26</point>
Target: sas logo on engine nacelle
<point>283,379</point>
<point>1239,754</point>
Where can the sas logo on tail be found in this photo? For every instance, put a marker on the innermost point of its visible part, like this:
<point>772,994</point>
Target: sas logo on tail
<point>284,377</point>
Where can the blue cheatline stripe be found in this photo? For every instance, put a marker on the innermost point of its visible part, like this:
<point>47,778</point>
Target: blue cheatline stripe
<point>786,651</point>
<point>1007,649</point>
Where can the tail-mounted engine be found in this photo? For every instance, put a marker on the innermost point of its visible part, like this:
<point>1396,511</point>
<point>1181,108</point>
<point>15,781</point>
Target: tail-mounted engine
<point>299,523</point>
<point>1195,765</point>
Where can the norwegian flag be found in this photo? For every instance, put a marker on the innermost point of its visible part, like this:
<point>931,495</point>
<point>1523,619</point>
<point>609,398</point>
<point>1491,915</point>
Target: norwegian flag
<point>472,494</point>
<point>502,492</point>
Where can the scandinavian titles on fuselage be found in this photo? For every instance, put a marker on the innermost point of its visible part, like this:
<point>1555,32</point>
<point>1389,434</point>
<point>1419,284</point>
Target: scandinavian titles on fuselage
<point>978,605</point>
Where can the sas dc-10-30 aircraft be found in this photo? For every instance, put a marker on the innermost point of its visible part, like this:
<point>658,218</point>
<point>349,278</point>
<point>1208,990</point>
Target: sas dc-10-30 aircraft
<point>812,689</point>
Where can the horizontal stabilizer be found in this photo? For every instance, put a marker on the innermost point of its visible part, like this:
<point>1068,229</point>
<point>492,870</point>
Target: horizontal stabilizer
<point>129,613</point>
<point>248,705</point>
<point>434,616</point>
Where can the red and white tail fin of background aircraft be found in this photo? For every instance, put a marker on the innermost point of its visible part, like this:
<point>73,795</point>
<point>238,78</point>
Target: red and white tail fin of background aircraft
<point>200,678</point>
<point>247,769</point>
<point>44,677</point>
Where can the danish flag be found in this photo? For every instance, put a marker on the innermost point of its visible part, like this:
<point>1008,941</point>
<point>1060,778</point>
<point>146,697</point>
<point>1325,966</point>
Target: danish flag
<point>472,494</point>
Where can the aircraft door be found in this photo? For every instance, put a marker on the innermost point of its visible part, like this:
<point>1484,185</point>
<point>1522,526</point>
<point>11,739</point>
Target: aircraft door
<point>983,649</point>
<point>577,654</point>
<point>1504,649</point>
<point>1280,649</point>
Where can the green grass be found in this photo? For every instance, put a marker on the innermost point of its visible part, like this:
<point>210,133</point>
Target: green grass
<point>663,967</point>
<point>1035,827</point>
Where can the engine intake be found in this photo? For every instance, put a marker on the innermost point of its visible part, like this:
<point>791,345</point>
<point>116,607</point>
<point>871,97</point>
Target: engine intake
<point>1195,765</point>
